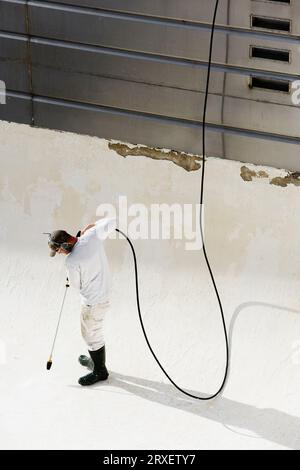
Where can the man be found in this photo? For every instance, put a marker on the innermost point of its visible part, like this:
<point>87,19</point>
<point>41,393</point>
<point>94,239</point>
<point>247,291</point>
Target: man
<point>88,272</point>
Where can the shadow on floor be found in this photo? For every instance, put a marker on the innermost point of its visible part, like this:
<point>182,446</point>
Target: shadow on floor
<point>270,424</point>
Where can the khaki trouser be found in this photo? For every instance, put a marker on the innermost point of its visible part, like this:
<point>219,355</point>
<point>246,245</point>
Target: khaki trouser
<point>92,324</point>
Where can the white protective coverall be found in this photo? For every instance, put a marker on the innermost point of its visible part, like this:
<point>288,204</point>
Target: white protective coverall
<point>88,272</point>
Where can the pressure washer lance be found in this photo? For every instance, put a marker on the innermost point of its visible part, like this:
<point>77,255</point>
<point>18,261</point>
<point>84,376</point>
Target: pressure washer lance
<point>49,363</point>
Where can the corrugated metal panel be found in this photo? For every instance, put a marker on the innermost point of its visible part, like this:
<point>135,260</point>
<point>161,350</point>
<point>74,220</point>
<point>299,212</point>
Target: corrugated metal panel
<point>136,70</point>
<point>192,10</point>
<point>121,31</point>
<point>12,16</point>
<point>135,67</point>
<point>95,120</point>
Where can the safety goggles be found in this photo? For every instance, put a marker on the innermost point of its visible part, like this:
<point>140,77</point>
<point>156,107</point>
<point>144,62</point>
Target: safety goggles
<point>55,246</point>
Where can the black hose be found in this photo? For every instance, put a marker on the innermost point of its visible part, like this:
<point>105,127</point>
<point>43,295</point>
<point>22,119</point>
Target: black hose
<point>201,205</point>
<point>202,237</point>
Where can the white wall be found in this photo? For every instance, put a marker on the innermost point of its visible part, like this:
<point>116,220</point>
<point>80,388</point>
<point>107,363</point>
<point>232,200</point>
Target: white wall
<point>52,180</point>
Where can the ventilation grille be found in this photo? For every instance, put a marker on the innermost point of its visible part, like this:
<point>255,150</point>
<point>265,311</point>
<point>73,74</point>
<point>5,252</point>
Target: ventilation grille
<point>273,24</point>
<point>270,54</point>
<point>270,84</point>
<point>280,25</point>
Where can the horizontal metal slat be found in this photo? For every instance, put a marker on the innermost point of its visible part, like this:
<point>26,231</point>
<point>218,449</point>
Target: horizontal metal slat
<point>138,67</point>
<point>123,94</point>
<point>117,31</point>
<point>176,9</point>
<point>79,107</point>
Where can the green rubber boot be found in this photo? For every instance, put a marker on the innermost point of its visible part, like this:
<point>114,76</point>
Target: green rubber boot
<point>99,373</point>
<point>86,361</point>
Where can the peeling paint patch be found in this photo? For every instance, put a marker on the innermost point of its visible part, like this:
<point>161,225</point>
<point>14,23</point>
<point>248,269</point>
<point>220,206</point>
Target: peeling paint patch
<point>284,181</point>
<point>248,174</point>
<point>186,161</point>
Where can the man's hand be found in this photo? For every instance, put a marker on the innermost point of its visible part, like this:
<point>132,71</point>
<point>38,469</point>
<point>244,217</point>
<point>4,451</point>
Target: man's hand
<point>87,228</point>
